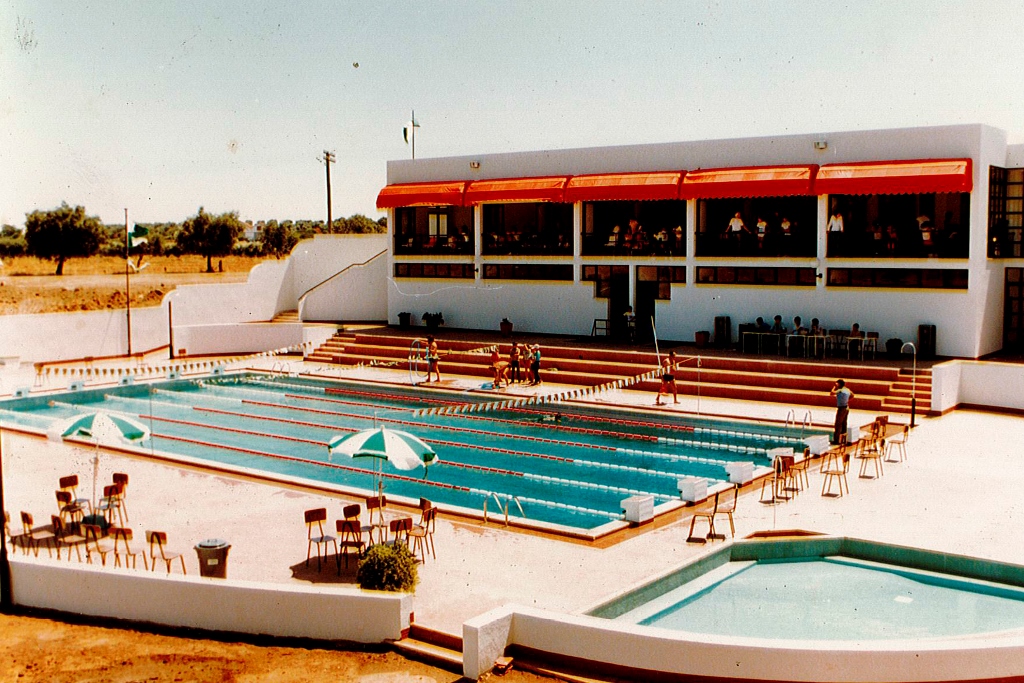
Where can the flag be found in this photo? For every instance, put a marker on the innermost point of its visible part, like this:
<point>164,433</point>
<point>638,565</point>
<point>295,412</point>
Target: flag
<point>137,236</point>
<point>407,130</point>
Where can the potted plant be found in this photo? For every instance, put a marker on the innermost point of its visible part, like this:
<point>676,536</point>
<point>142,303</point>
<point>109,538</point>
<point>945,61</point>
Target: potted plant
<point>506,327</point>
<point>404,320</point>
<point>433,320</point>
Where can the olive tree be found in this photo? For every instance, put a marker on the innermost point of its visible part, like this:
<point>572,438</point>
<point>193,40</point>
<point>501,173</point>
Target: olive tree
<point>62,233</point>
<point>210,235</point>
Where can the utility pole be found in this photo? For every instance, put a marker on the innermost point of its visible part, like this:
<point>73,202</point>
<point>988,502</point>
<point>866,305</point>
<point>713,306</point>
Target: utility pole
<point>328,160</point>
<point>127,286</point>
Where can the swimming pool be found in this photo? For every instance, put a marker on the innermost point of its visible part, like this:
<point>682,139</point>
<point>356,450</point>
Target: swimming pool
<point>562,466</point>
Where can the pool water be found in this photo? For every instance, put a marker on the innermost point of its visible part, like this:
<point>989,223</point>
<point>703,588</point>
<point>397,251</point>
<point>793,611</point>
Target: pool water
<point>558,465</point>
<point>833,598</point>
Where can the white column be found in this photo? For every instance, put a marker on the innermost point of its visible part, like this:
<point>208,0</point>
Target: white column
<point>577,242</point>
<point>478,240</point>
<point>822,239</point>
<point>691,242</point>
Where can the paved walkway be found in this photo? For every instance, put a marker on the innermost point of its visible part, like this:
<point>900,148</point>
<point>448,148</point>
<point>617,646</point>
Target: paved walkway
<point>958,492</point>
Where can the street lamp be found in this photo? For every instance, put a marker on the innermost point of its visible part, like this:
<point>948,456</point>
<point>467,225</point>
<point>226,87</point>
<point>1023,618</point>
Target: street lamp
<point>913,382</point>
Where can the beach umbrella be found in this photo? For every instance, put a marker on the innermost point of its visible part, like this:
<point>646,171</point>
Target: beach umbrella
<point>100,427</point>
<point>402,449</point>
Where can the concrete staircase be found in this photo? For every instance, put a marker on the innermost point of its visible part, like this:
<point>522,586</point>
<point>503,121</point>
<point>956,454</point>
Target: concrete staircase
<point>877,387</point>
<point>437,648</point>
<point>286,317</point>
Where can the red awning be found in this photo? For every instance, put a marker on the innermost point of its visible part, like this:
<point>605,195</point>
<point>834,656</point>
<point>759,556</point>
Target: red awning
<point>896,177</point>
<point>628,186</point>
<point>547,189</point>
<point>448,193</point>
<point>752,181</point>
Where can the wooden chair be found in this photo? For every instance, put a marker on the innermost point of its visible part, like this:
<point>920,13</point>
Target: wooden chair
<point>836,471</point>
<point>898,444</point>
<point>400,528</point>
<point>110,504</point>
<point>727,507</point>
<point>157,541</point>
<point>122,548</point>
<point>70,484</point>
<point>350,537</point>
<point>316,536</point>
<point>34,536</point>
<point>66,538</point>
<point>799,469</point>
<point>96,544</point>
<point>121,479</point>
<point>706,514</point>
<point>779,480</point>
<point>422,534</point>
<point>870,344</point>
<point>70,512</point>
<point>869,450</point>
<point>375,506</point>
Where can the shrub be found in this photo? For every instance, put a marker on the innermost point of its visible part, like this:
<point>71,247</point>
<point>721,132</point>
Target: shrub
<point>388,568</point>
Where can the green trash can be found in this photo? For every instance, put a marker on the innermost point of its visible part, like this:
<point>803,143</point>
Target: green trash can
<point>213,558</point>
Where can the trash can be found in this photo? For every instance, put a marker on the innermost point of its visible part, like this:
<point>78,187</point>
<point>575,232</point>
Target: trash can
<point>723,331</point>
<point>213,558</point>
<point>926,342</point>
<point>405,320</point>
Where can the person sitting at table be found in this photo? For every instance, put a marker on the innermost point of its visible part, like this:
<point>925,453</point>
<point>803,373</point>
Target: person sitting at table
<point>777,326</point>
<point>855,339</point>
<point>798,327</point>
<point>816,329</point>
<point>761,326</point>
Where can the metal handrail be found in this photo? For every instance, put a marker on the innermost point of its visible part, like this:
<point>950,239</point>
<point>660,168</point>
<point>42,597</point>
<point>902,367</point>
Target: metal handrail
<point>338,274</point>
<point>494,495</point>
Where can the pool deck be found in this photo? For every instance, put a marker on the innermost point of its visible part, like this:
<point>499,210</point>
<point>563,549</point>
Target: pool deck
<point>958,492</point>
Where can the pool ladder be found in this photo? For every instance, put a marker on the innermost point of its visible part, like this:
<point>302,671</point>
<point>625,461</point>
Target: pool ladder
<point>805,424</point>
<point>508,502</point>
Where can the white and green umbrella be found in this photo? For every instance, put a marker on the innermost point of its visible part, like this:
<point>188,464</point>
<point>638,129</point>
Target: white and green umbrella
<point>100,427</point>
<point>402,449</point>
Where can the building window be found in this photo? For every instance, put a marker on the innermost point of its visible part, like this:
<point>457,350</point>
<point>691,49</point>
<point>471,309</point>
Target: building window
<point>898,278</point>
<point>931,225</point>
<point>531,229</point>
<point>462,271</point>
<point>761,226</point>
<point>531,271</point>
<point>603,276</point>
<point>422,230</point>
<point>665,276</point>
<point>1005,212</point>
<point>640,228</point>
<point>732,275</point>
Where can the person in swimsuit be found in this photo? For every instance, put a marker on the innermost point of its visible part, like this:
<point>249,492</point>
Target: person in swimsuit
<point>433,357</point>
<point>515,355</point>
<point>668,379</point>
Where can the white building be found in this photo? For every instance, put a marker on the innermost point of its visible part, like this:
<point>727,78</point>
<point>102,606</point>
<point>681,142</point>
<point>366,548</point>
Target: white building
<point>930,236</point>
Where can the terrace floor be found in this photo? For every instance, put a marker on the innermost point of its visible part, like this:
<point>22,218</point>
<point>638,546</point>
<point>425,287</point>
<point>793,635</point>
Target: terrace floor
<point>958,492</point>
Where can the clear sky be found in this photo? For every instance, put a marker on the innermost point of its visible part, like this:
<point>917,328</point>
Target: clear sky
<point>162,107</point>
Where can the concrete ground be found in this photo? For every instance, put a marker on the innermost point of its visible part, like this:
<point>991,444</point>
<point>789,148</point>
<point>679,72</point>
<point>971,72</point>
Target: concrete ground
<point>958,492</point>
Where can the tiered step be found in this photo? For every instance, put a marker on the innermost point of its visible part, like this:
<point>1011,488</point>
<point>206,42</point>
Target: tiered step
<point>877,388</point>
<point>433,647</point>
<point>329,351</point>
<point>287,317</point>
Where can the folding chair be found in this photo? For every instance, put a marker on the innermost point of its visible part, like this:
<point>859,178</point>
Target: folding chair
<point>70,484</point>
<point>400,528</point>
<point>869,450</point>
<point>121,479</point>
<point>122,548</point>
<point>377,504</point>
<point>898,444</point>
<point>157,541</point>
<point>35,536</point>
<point>70,512</point>
<point>422,534</point>
<point>66,538</point>
<point>727,508</point>
<point>779,480</point>
<point>316,536</point>
<point>350,537</point>
<point>836,471</point>
<point>96,544</point>
<point>799,469</point>
<point>110,504</point>
<point>706,514</point>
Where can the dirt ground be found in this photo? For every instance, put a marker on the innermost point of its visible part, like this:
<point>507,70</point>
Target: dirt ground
<point>34,648</point>
<point>28,285</point>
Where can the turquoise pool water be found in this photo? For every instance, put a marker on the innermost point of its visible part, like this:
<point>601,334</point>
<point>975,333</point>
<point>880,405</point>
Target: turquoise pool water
<point>834,598</point>
<point>557,464</point>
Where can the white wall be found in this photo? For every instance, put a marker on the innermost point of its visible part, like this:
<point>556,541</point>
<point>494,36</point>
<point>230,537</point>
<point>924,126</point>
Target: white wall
<point>202,340</point>
<point>988,384</point>
<point>68,336</point>
<point>254,300</point>
<point>598,641</point>
<point>357,293</point>
<point>284,610</point>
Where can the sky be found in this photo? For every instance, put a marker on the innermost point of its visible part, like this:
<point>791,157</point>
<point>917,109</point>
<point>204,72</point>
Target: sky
<point>162,107</point>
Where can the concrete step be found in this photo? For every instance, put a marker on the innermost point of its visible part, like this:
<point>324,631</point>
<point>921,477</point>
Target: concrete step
<point>440,649</point>
<point>287,317</point>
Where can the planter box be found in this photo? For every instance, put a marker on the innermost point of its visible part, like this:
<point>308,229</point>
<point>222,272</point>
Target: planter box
<point>693,489</point>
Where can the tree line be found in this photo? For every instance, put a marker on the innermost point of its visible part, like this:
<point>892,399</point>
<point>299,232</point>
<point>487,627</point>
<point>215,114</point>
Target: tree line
<point>68,232</point>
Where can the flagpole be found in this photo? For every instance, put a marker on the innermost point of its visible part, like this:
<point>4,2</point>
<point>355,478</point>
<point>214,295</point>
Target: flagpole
<point>413,126</point>
<point>127,286</point>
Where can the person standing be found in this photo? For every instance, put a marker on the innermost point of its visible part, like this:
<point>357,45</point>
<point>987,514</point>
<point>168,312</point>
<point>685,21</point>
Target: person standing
<point>668,378</point>
<point>433,359</point>
<point>843,395</point>
<point>515,355</point>
<point>535,364</point>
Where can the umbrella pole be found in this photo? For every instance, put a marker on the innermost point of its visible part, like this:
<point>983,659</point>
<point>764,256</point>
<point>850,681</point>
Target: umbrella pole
<point>95,473</point>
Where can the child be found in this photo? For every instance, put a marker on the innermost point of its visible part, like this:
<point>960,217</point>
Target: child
<point>500,369</point>
<point>514,356</point>
<point>433,357</point>
<point>668,380</point>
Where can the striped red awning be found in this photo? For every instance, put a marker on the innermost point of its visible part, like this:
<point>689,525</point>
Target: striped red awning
<point>627,186</point>
<point>546,189</point>
<point>751,181</point>
<point>896,177</point>
<point>447,193</point>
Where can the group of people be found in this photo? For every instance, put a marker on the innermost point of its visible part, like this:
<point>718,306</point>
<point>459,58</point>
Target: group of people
<point>634,239</point>
<point>510,371</point>
<point>918,236</point>
<point>773,236</point>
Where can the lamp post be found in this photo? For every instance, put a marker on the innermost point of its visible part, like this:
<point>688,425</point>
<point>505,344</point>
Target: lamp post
<point>6,601</point>
<point>913,381</point>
